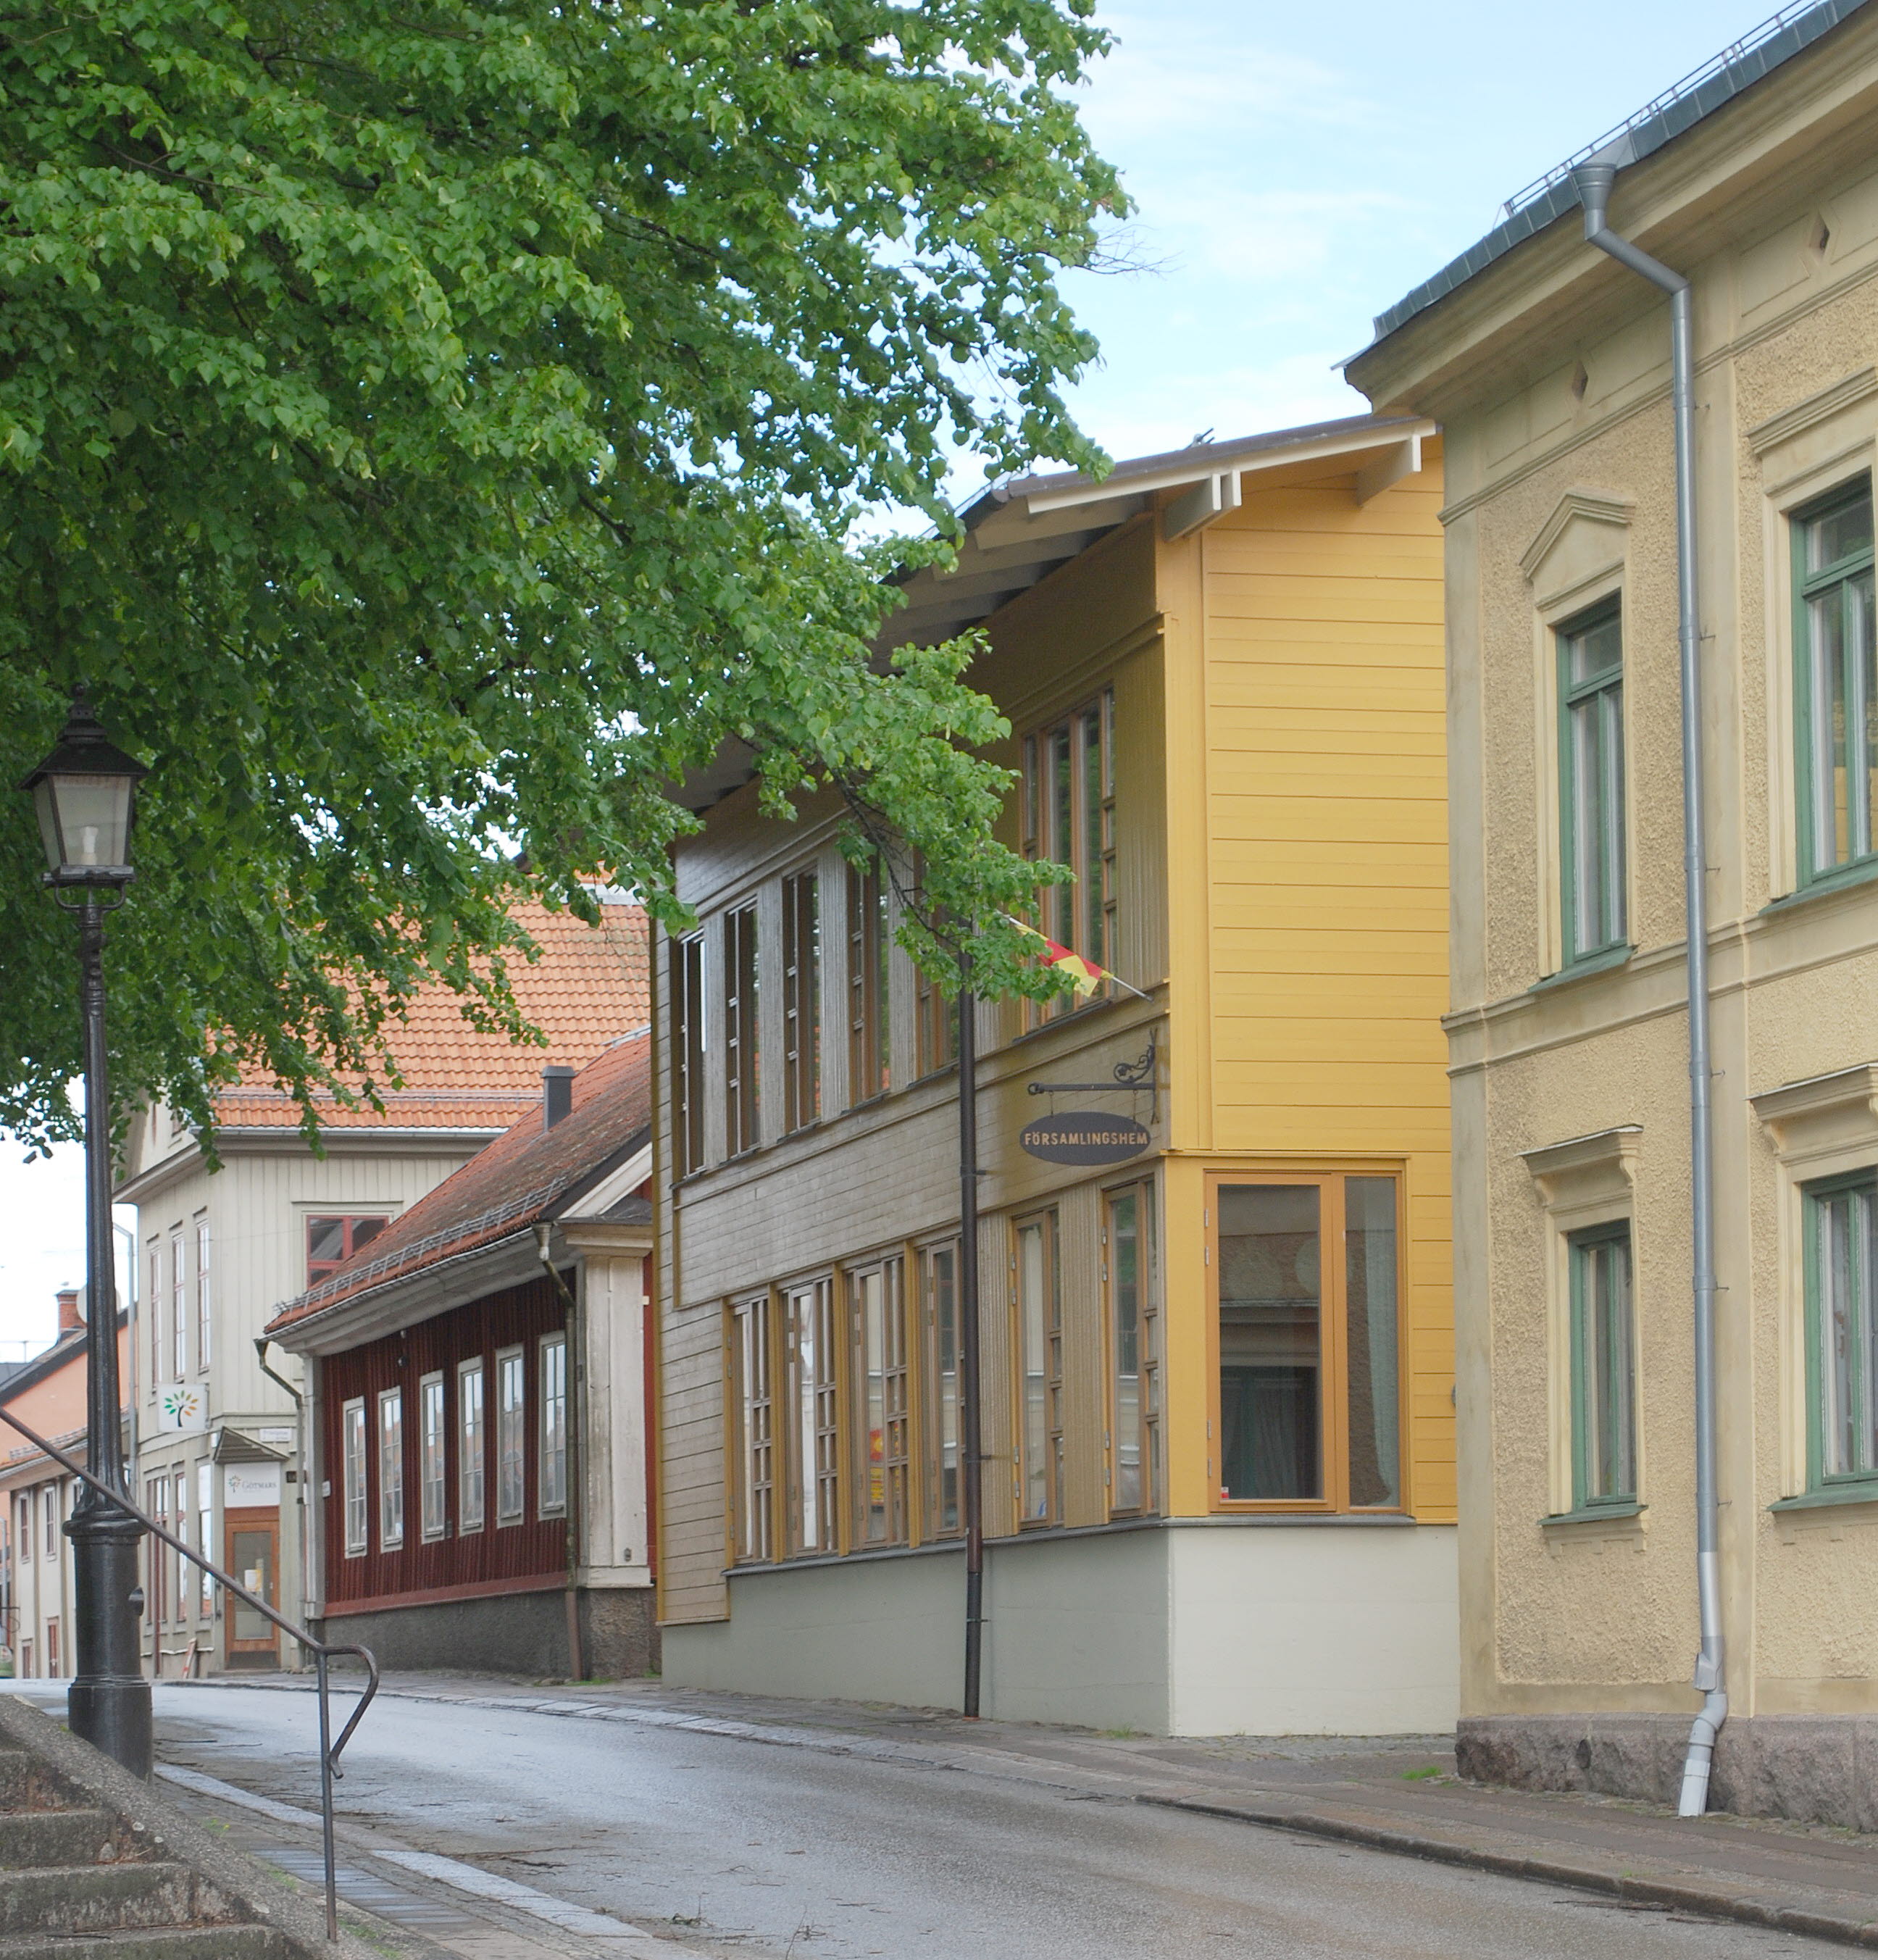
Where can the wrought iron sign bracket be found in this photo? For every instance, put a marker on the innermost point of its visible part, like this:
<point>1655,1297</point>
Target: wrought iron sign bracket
<point>1131,1078</point>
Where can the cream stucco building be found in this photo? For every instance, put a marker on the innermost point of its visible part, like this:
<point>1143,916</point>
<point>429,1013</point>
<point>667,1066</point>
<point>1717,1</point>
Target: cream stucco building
<point>1548,366</point>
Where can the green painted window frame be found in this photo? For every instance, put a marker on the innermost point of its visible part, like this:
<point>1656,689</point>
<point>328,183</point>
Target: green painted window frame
<point>1616,1389</point>
<point>1843,575</point>
<point>1606,688</point>
<point>1862,1361</point>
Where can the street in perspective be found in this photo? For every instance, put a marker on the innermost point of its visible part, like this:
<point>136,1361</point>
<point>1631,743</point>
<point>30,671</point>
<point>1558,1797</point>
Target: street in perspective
<point>884,1085</point>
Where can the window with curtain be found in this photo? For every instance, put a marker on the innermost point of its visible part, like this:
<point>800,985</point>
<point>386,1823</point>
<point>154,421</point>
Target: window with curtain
<point>686,1009</point>
<point>752,1404</point>
<point>801,1001</point>
<point>1592,855</point>
<point>1307,1284</point>
<point>511,1436</point>
<point>1841,1255</point>
<point>1037,1307</point>
<point>813,1368</point>
<point>877,1295</point>
<point>353,1473</point>
<point>741,1064</point>
<point>1603,1373</point>
<point>869,1043</point>
<point>391,1468</point>
<point>552,1479</point>
<point>433,1491</point>
<point>1069,817</point>
<point>1129,1272</point>
<point>470,1445</point>
<point>1835,681</point>
<point>939,1286</point>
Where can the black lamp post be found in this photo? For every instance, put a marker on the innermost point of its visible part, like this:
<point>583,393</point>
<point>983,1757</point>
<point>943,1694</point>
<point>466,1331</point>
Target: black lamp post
<point>85,792</point>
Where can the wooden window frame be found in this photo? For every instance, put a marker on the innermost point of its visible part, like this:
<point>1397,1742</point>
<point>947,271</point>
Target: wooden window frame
<point>1334,1388</point>
<point>811,1424</point>
<point>472,1446</point>
<point>552,1406</point>
<point>388,1441</point>
<point>348,1223</point>
<point>1602,693</point>
<point>153,1308</point>
<point>511,1420</point>
<point>1617,1407</point>
<point>686,1008</point>
<point>1069,817</point>
<point>1864,1344</point>
<point>178,1306</point>
<point>1147,1336</point>
<point>869,1028</point>
<point>355,1478</point>
<point>801,1000</point>
<point>742,1059</point>
<point>887,1518</point>
<point>206,1530</point>
<point>1047,1441</point>
<point>942,1413</point>
<point>750,1357</point>
<point>1811,587</point>
<point>432,1431</point>
<point>205,1319</point>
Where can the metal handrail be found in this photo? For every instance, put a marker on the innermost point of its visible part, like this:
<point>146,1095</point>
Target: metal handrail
<point>329,1751</point>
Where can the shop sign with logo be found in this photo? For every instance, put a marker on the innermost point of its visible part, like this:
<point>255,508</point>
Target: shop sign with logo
<point>246,1484</point>
<point>182,1411</point>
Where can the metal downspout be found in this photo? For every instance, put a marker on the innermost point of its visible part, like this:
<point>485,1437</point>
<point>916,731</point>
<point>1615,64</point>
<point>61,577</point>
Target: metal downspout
<point>1594,181</point>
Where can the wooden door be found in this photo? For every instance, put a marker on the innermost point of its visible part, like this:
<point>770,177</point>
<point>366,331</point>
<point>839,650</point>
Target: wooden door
<point>251,1541</point>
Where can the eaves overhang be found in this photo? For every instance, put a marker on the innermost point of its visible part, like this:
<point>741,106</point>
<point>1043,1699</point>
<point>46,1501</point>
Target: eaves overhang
<point>1535,209</point>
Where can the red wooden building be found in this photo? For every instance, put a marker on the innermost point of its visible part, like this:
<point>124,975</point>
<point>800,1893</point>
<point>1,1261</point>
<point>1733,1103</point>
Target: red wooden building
<point>479,1375</point>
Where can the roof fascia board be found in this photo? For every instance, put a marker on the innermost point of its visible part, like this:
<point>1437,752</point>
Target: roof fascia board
<point>407,1298</point>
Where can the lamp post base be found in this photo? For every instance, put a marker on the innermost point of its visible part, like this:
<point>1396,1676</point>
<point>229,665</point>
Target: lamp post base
<point>108,1705</point>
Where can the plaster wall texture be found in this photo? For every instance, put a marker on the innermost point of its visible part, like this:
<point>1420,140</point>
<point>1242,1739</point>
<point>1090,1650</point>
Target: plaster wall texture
<point>1549,371</point>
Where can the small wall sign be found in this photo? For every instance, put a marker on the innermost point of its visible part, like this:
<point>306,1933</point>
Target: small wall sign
<point>1084,1137</point>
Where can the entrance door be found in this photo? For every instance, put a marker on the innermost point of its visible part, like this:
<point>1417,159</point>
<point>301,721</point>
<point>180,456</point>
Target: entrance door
<point>252,1554</point>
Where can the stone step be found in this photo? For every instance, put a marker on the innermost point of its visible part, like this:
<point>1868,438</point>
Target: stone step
<point>97,1898</point>
<point>169,1943</point>
<point>33,1838</point>
<point>24,1784</point>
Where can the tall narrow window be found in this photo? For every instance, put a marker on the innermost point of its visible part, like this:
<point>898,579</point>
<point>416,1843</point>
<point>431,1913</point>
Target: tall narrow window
<point>1134,1329</point>
<point>1591,777</point>
<point>391,1468</point>
<point>470,1446</point>
<point>512,1436</point>
<point>156,1501</point>
<point>153,1311</point>
<point>1069,816</point>
<point>882,1427</point>
<point>1836,682</point>
<point>352,1474</point>
<point>741,1061</point>
<point>206,1533</point>
<point>935,1012</point>
<point>205,1323</point>
<point>433,1417</point>
<point>868,1045</point>
<point>940,1285</point>
<point>1841,1255</point>
<point>1308,1288</point>
<point>181,1516</point>
<point>1037,1301</point>
<point>179,1306</point>
<point>801,1002</point>
<point>1603,1391</point>
<point>552,1481</point>
<point>754,1405</point>
<point>814,1417</point>
<point>687,1008</point>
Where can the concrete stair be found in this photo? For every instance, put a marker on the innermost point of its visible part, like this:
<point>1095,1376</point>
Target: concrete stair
<point>95,1865</point>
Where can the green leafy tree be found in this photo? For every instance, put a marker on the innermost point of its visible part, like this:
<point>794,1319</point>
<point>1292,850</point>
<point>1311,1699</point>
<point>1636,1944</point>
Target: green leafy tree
<point>430,429</point>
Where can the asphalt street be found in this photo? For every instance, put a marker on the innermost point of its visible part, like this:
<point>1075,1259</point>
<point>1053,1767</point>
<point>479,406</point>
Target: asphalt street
<point>729,1845</point>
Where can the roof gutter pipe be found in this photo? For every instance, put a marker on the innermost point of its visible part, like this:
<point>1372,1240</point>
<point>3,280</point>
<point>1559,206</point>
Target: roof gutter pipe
<point>1594,180</point>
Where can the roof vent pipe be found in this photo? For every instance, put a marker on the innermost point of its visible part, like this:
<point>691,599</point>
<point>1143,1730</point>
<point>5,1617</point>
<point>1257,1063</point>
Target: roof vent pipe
<point>1594,180</point>
<point>557,1093</point>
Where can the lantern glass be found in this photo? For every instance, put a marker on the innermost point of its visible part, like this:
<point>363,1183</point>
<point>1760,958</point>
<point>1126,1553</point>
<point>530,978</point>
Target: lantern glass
<point>85,820</point>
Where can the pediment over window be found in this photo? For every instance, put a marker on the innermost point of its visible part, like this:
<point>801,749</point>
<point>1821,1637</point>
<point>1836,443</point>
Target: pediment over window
<point>1822,1112</point>
<point>1597,1170</point>
<point>1584,539</point>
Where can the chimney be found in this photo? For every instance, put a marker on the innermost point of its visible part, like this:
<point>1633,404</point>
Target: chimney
<point>557,1093</point>
<point>70,1319</point>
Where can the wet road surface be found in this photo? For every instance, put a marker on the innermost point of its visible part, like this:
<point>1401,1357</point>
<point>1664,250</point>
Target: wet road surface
<point>730,1846</point>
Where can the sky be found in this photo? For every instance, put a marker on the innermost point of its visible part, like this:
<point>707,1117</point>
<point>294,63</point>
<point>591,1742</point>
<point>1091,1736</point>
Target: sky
<point>1295,172</point>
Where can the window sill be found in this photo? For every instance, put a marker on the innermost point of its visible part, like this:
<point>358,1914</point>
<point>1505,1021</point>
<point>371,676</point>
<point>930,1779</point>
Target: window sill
<point>1832,1495</point>
<point>1596,1514</point>
<point>1607,962</point>
<point>1848,878</point>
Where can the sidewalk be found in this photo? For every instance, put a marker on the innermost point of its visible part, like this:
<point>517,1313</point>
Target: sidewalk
<point>1393,1794</point>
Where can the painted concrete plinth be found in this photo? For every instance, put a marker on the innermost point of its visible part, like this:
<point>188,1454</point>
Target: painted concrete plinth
<point>514,1633</point>
<point>1291,1629</point>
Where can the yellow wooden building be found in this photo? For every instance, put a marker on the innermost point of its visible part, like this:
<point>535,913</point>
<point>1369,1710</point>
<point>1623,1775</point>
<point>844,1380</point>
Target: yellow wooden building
<point>1217,1408</point>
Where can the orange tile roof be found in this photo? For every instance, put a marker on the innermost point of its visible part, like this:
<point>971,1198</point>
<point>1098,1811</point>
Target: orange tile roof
<point>529,1172</point>
<point>589,987</point>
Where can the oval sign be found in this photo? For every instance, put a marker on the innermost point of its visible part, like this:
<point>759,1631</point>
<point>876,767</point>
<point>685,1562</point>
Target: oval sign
<point>1084,1137</point>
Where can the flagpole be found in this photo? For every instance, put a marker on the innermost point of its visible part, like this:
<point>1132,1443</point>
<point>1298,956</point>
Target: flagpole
<point>971,1482</point>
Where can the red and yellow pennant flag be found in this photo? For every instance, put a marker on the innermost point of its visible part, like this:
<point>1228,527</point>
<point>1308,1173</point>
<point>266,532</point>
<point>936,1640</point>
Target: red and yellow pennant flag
<point>1084,974</point>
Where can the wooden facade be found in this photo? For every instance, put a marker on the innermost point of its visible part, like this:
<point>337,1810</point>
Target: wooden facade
<point>1248,713</point>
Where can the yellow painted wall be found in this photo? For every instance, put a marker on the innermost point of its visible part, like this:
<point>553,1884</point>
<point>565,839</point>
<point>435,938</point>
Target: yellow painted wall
<point>1308,898</point>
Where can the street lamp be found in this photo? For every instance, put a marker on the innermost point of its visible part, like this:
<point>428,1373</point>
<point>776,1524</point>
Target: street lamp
<point>85,792</point>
